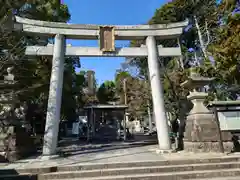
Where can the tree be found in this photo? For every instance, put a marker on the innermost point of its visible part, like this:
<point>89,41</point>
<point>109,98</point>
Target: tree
<point>33,73</point>
<point>136,91</point>
<point>122,81</point>
<point>224,65</point>
<point>80,84</point>
<point>86,94</point>
<point>106,92</point>
<point>194,42</point>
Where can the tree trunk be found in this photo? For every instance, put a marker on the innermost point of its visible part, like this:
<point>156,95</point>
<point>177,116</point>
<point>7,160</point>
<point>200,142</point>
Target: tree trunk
<point>203,48</point>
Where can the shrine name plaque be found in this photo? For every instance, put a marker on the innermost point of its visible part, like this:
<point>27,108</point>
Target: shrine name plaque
<point>107,38</point>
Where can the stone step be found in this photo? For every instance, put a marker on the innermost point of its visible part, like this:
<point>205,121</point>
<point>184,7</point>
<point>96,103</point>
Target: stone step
<point>35,177</point>
<point>94,166</point>
<point>224,178</point>
<point>194,175</point>
<point>140,170</point>
<point>145,164</point>
<point>221,178</point>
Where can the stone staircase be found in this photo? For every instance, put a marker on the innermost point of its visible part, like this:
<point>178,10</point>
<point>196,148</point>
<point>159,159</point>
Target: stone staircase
<point>227,168</point>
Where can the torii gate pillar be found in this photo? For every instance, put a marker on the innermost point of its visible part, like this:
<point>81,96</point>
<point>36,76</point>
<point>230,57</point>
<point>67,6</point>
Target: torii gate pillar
<point>157,95</point>
<point>55,97</point>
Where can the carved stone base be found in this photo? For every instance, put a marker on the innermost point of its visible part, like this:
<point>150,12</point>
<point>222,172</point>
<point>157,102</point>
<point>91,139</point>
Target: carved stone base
<point>202,135</point>
<point>203,128</point>
<point>10,156</point>
<point>200,147</point>
<point>15,143</point>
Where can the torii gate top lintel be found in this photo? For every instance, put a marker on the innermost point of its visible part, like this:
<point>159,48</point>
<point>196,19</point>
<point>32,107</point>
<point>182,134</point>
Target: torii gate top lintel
<point>89,31</point>
<point>106,34</point>
<point>22,20</point>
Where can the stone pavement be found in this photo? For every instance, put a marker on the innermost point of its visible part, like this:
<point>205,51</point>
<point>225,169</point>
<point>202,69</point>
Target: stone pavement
<point>117,153</point>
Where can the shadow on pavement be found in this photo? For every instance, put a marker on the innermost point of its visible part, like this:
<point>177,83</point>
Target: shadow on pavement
<point>11,174</point>
<point>108,157</point>
<point>93,148</point>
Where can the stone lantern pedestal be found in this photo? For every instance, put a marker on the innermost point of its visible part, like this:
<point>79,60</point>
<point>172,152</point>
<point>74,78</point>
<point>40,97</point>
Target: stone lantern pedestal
<point>201,131</point>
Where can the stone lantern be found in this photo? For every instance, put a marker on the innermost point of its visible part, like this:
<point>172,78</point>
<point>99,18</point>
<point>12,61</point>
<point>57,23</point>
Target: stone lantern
<point>15,141</point>
<point>201,131</point>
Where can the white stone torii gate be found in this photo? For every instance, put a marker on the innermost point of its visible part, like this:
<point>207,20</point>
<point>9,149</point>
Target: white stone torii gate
<point>62,31</point>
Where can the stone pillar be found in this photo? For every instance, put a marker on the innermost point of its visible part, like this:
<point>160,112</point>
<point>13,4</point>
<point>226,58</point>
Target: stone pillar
<point>149,119</point>
<point>55,97</point>
<point>91,83</point>
<point>125,126</point>
<point>157,95</point>
<point>94,124</point>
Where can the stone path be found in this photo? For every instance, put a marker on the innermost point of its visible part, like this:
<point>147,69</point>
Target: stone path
<point>107,154</point>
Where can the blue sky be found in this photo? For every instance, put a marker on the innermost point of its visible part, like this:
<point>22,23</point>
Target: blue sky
<point>108,12</point>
